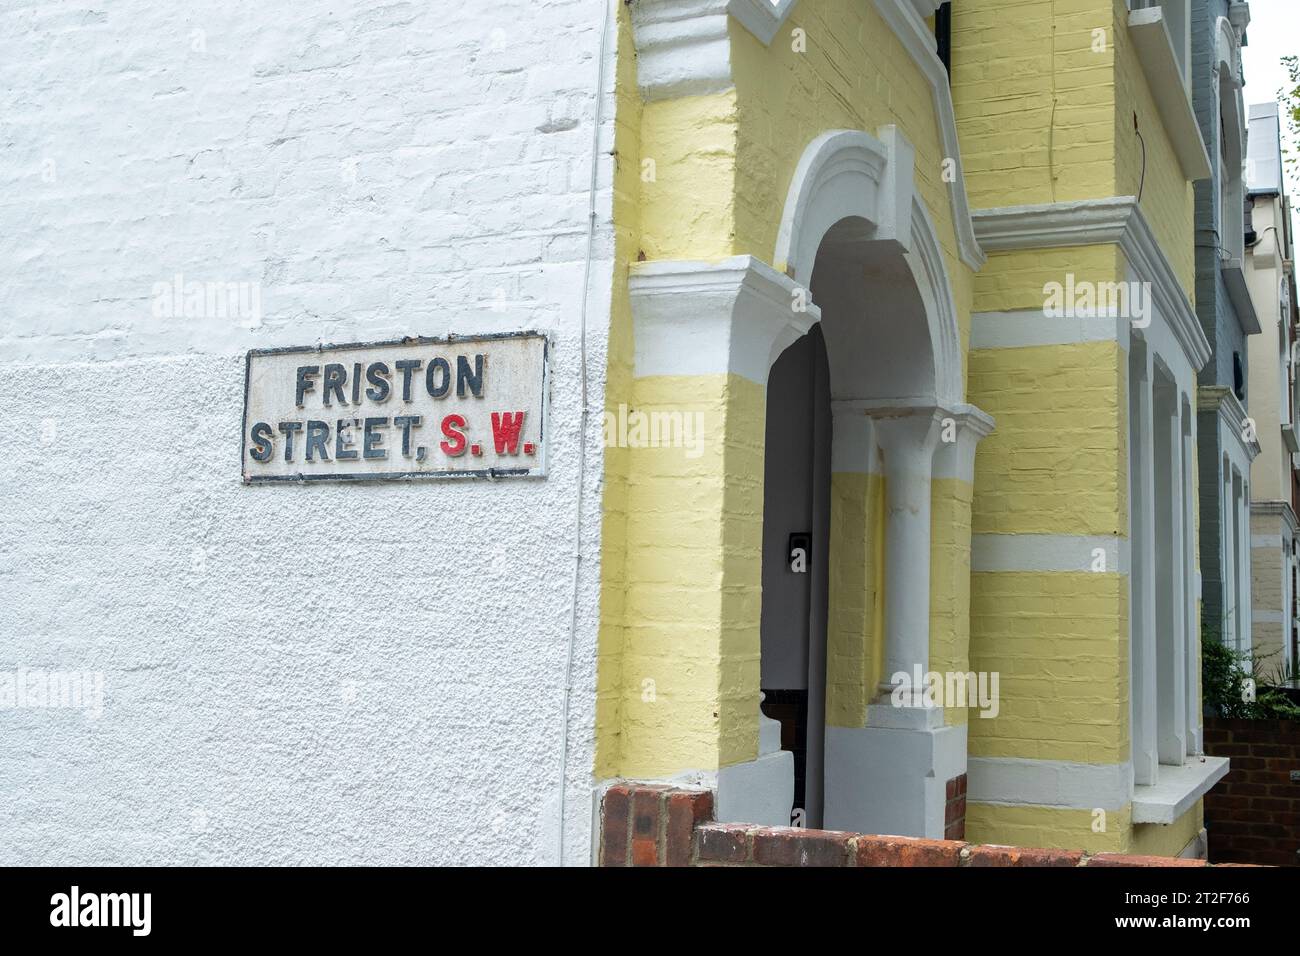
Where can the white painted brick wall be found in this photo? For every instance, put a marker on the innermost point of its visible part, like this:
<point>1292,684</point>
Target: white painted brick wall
<point>322,674</point>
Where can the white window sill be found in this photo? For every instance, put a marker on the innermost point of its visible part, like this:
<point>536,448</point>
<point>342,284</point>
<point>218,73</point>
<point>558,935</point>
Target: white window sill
<point>1165,78</point>
<point>1290,439</point>
<point>1177,789</point>
<point>1239,295</point>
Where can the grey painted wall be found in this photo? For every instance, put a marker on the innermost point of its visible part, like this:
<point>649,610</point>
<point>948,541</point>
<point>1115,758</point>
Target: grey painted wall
<point>1218,318</point>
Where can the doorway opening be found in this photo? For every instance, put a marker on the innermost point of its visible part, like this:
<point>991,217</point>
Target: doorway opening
<point>796,554</point>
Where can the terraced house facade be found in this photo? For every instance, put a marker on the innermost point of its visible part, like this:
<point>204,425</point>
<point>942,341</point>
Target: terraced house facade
<point>931,280</point>
<point>1274,640</point>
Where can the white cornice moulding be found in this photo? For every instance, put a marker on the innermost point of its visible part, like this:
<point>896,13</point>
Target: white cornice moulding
<point>1239,14</point>
<point>1087,222</point>
<point>905,19</point>
<point>1165,78</point>
<point>1232,414</point>
<point>683,46</point>
<point>956,459</point>
<point>703,318</point>
<point>1277,509</point>
<point>761,17</point>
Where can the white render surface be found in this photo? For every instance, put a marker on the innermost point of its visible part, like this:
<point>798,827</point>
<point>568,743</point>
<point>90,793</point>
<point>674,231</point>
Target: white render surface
<point>322,673</point>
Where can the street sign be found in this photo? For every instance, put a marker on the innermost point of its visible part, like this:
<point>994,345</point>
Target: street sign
<point>462,407</point>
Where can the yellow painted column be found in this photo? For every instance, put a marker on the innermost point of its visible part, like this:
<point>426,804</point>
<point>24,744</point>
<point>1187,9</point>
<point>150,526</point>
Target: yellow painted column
<point>952,493</point>
<point>855,603</point>
<point>706,335</point>
<point>694,527</point>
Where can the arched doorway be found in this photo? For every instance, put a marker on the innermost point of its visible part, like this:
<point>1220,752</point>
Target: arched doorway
<point>796,539</point>
<point>866,422</point>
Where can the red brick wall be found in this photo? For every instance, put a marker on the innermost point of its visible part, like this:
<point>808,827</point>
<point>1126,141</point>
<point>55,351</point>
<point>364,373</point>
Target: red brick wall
<point>1253,814</point>
<point>954,815</point>
<point>648,825</point>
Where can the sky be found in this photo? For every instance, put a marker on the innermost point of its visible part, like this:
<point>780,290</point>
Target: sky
<point>1274,32</point>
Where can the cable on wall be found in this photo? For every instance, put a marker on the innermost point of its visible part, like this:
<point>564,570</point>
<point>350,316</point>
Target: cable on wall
<point>582,428</point>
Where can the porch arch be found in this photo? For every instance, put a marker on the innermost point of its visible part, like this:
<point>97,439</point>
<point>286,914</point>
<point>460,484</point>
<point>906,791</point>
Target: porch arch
<point>856,236</point>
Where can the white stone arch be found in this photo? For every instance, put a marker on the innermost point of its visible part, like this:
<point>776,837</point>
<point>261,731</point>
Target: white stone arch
<point>852,228</point>
<point>931,273</point>
<point>1227,64</point>
<point>855,234</point>
<point>859,189</point>
<point>1232,114</point>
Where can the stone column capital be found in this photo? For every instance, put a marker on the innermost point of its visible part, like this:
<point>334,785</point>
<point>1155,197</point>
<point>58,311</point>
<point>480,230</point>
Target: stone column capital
<point>950,433</point>
<point>960,431</point>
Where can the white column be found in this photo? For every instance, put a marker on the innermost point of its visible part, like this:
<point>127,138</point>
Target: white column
<point>1227,567</point>
<point>1247,597</point>
<point>1192,637</point>
<point>1240,548</point>
<point>1142,607</point>
<point>1171,714</point>
<point>890,776</point>
<point>907,444</point>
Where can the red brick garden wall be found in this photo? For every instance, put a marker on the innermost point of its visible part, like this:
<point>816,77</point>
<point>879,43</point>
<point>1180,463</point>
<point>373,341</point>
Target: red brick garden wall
<point>1253,814</point>
<point>646,825</point>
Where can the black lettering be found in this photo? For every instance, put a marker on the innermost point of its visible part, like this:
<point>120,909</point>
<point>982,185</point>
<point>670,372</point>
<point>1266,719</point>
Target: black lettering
<point>406,367</point>
<point>288,429</point>
<point>263,444</point>
<point>438,391</point>
<point>336,376</point>
<point>373,439</point>
<point>377,376</point>
<point>406,423</point>
<point>318,434</point>
<point>356,384</point>
<point>343,450</point>
<point>305,384</point>
<point>463,375</point>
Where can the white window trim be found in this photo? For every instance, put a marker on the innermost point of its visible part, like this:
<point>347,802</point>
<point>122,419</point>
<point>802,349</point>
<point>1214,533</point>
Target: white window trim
<point>1163,728</point>
<point>1230,110</point>
<point>1168,80</point>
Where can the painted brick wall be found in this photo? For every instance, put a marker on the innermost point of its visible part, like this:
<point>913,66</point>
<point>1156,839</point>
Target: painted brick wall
<point>1166,195</point>
<point>655,825</point>
<point>1253,814</point>
<point>1056,463</point>
<point>327,674</point>
<point>1218,317</point>
<point>1033,102</point>
<point>1210,528</point>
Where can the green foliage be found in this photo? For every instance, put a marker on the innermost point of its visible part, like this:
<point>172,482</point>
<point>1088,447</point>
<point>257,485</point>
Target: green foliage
<point>1289,109</point>
<point>1224,688</point>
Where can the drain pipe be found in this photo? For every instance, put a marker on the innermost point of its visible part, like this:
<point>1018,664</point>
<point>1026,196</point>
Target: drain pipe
<point>582,429</point>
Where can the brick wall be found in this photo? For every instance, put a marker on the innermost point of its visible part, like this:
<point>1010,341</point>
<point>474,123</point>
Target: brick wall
<point>1253,814</point>
<point>652,825</point>
<point>954,813</point>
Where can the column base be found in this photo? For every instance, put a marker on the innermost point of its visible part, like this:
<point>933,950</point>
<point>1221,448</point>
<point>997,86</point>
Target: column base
<point>760,791</point>
<point>892,779</point>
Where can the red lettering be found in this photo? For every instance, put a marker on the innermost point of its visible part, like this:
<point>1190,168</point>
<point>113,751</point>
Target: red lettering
<point>450,427</point>
<point>505,431</point>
